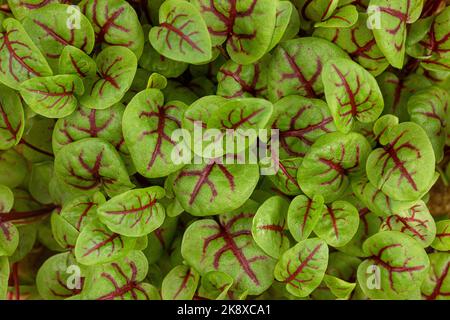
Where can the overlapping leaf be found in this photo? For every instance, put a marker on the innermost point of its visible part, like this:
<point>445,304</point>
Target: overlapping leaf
<point>97,244</point>
<point>245,26</point>
<point>182,34</point>
<point>428,109</point>
<point>330,164</point>
<point>197,186</point>
<point>51,28</point>
<point>116,68</point>
<point>389,21</point>
<point>301,121</point>
<point>12,120</point>
<point>297,65</point>
<point>359,42</point>
<point>20,58</point>
<point>148,127</point>
<point>436,285</point>
<point>269,226</point>
<point>90,165</point>
<point>52,97</point>
<point>120,280</point>
<point>134,213</point>
<point>352,93</point>
<point>403,169</point>
<point>416,222</point>
<point>303,266</point>
<point>396,266</point>
<point>338,224</point>
<point>90,123</point>
<point>180,283</point>
<point>303,215</point>
<point>53,280</point>
<point>227,246</point>
<point>115,23</point>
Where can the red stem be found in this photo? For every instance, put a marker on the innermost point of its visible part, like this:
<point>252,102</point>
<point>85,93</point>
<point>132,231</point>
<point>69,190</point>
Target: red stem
<point>17,216</point>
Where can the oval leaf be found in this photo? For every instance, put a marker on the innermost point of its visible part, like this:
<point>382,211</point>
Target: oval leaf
<point>303,267</point>
<point>134,213</point>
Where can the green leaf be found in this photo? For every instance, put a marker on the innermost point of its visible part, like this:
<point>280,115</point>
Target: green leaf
<point>287,23</point>
<point>389,21</point>
<point>303,215</point>
<point>432,48</point>
<point>442,240</point>
<point>246,27</point>
<point>115,23</point>
<point>378,202</point>
<point>343,17</point>
<point>427,108</point>
<point>404,168</point>
<point>215,285</point>
<point>160,240</point>
<point>22,8</point>
<point>318,10</point>
<point>38,185</point>
<point>330,164</point>
<point>149,124</point>
<point>359,42</point>
<point>20,58</point>
<point>269,224</point>
<point>52,28</point>
<point>303,266</point>
<point>87,123</point>
<point>417,222</point>
<point>157,81</point>
<point>182,34</point>
<point>9,237</point>
<point>396,266</point>
<point>152,61</point>
<point>340,288</point>
<point>90,165</point>
<point>227,246</point>
<point>96,244</point>
<point>75,61</point>
<point>116,68</point>
<point>239,81</point>
<point>301,121</point>
<point>13,168</point>
<point>296,67</point>
<point>352,93</point>
<point>180,284</point>
<point>134,213</point>
<point>120,280</point>
<point>36,143</point>
<point>57,277</point>
<point>339,223</point>
<point>285,179</point>
<point>12,120</point>
<point>52,97</point>
<point>369,224</point>
<point>27,235</point>
<point>436,285</point>
<point>397,91</point>
<point>214,188</point>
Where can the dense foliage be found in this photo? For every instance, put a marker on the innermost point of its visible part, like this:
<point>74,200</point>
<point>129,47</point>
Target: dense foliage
<point>92,205</point>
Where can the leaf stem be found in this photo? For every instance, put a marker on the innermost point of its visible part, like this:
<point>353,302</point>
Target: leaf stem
<point>24,215</point>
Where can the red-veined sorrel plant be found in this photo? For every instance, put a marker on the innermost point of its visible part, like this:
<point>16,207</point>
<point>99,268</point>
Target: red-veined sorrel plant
<point>101,99</point>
